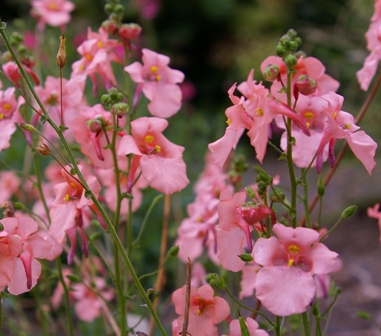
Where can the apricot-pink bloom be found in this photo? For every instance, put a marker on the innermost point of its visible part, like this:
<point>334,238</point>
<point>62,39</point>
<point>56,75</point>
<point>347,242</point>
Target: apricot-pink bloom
<point>8,108</point>
<point>66,211</point>
<point>206,310</point>
<point>27,269</point>
<point>340,125</point>
<point>54,13</point>
<point>158,83</point>
<point>161,161</point>
<point>285,284</point>
<point>251,324</point>
<point>255,111</point>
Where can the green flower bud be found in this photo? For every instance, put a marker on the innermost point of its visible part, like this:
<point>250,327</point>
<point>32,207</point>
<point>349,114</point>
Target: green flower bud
<point>173,251</point>
<point>280,50</point>
<point>246,257</point>
<point>94,125</point>
<point>350,211</point>
<point>215,281</point>
<point>250,192</point>
<point>74,278</point>
<point>120,109</point>
<point>290,61</point>
<point>277,196</point>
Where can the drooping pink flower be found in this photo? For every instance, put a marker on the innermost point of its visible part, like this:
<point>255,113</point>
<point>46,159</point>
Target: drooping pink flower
<point>251,324</point>
<point>312,109</point>
<point>367,72</point>
<point>254,111</point>
<point>11,70</point>
<point>55,13</point>
<point>158,83</point>
<point>160,160</point>
<point>27,269</point>
<point>67,209</point>
<point>237,220</point>
<point>285,284</point>
<point>340,125</point>
<point>97,51</point>
<point>206,310</point>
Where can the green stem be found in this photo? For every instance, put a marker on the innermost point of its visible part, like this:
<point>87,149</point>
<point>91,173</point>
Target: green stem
<point>66,297</point>
<point>289,156</point>
<point>277,326</point>
<point>306,324</point>
<point>88,192</point>
<point>305,199</point>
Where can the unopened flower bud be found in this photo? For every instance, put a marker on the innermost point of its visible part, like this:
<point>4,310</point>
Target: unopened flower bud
<point>120,109</point>
<point>290,61</point>
<point>28,127</point>
<point>94,125</point>
<point>110,27</point>
<point>271,72</point>
<point>350,211</point>
<point>173,251</point>
<point>215,281</point>
<point>293,46</point>
<point>74,278</point>
<point>280,50</point>
<point>277,196</point>
<point>61,55</point>
<point>246,257</point>
<point>249,190</point>
<point>130,31</point>
<point>306,85</point>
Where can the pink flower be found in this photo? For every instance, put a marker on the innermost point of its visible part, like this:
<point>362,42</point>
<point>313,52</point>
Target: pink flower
<point>252,326</point>
<point>205,311</point>
<point>237,220</point>
<point>340,125</point>
<point>376,213</point>
<point>285,284</point>
<point>366,74</point>
<point>9,184</point>
<point>160,160</point>
<point>158,83</point>
<point>66,211</point>
<point>254,111</point>
<point>88,305</point>
<point>27,269</point>
<point>9,106</point>
<point>249,275</point>
<point>55,13</point>
<point>11,70</point>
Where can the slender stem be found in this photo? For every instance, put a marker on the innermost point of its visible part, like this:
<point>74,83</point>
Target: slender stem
<point>306,324</point>
<point>289,156</point>
<point>187,298</point>
<point>331,230</point>
<point>69,316</point>
<point>277,326</point>
<point>160,281</point>
<point>305,199</point>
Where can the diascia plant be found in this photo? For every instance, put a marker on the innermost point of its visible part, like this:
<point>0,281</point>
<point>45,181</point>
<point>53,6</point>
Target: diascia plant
<point>86,165</point>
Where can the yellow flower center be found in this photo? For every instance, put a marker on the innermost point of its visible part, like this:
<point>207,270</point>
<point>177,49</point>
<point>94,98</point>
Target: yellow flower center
<point>291,262</point>
<point>89,57</point>
<point>294,249</point>
<point>335,114</point>
<point>52,6</point>
<point>148,138</point>
<point>154,69</point>
<point>259,112</point>
<point>347,126</point>
<point>1,116</point>
<point>100,44</point>
<point>228,122</point>
<point>308,115</point>
<point>67,198</point>
<point>158,148</point>
<point>7,106</point>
